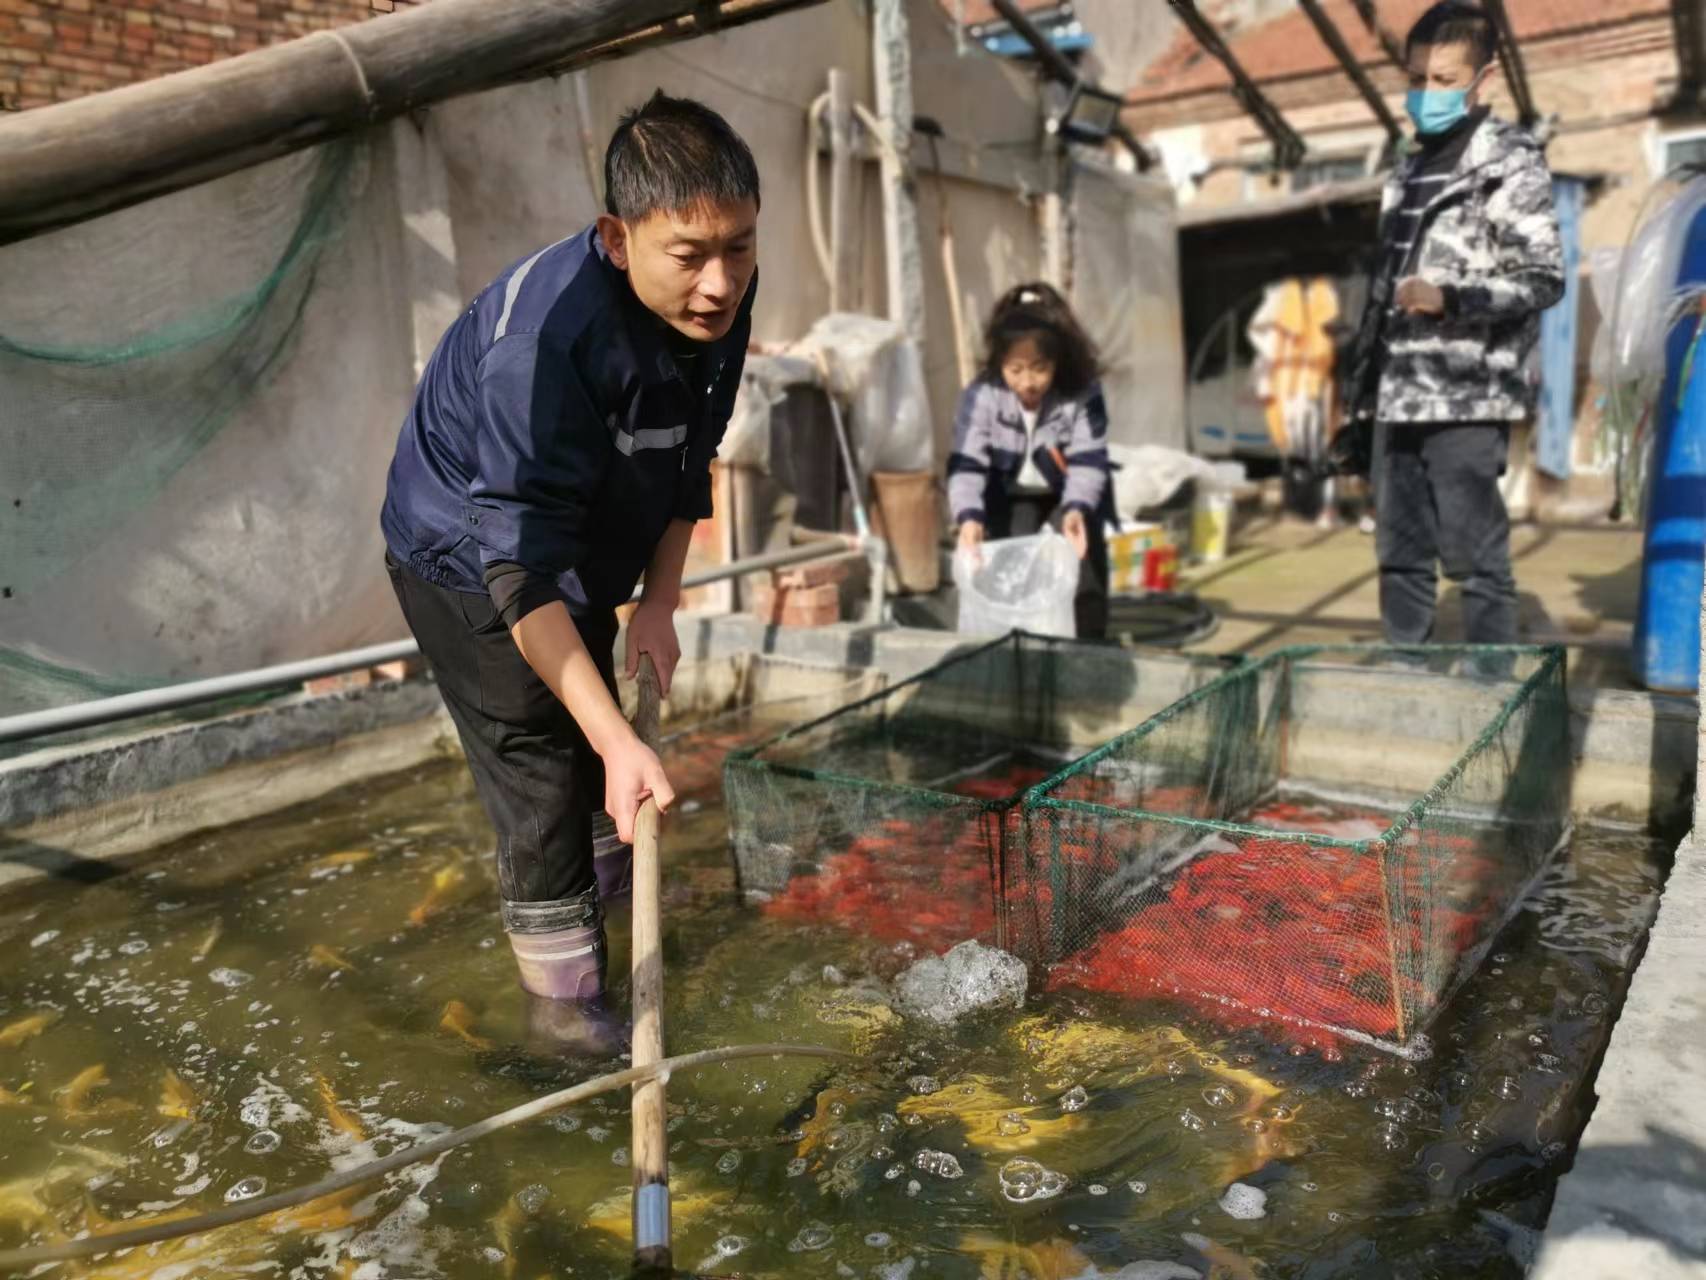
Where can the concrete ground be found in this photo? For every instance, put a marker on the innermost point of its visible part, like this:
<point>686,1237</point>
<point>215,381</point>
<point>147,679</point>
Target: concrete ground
<point>1287,582</point>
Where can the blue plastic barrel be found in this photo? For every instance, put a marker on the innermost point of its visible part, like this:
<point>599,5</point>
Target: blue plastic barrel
<point>1667,628</point>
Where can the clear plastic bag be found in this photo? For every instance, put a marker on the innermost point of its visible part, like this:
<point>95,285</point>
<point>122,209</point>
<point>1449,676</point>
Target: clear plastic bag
<point>1025,583</point>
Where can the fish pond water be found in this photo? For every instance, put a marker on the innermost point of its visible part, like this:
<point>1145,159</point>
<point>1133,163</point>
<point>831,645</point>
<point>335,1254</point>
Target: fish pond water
<point>244,1011</point>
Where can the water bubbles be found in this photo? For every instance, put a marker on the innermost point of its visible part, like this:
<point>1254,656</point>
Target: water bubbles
<point>839,1137</point>
<point>1137,1186</point>
<point>894,1172</point>
<point>1507,1088</point>
<point>134,947</point>
<point>262,1143</point>
<point>1389,1137</point>
<point>728,1162</point>
<point>1311,1186</point>
<point>619,1157</point>
<point>879,1154</point>
<point>1553,1151</point>
<point>1244,1202</point>
<point>1477,1135</point>
<point>812,1237</point>
<point>563,1123</point>
<point>1074,1099</point>
<point>1011,1125</point>
<point>1458,1081</point>
<point>1400,1110</point>
<point>1025,1180</point>
<point>230,979</point>
<point>939,1163</point>
<point>531,1198</point>
<point>1220,1096</point>
<point>913,1119</point>
<point>887,1122</point>
<point>1550,1063</point>
<point>879,1240</point>
<point>1192,1121</point>
<point>1595,1004</point>
<point>1436,1171</point>
<point>1282,1113</point>
<point>1357,1088</point>
<point>245,1189</point>
<point>923,1086</point>
<point>1501,957</point>
<point>1097,1189</point>
<point>1255,1124</point>
<point>726,1247</point>
<point>796,1166</point>
<point>1175,1068</point>
<point>914,1187</point>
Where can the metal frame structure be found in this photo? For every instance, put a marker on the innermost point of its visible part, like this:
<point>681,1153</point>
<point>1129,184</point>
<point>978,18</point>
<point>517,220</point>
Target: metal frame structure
<point>1510,62</point>
<point>1288,144</point>
<point>1056,64</point>
<point>129,706</point>
<point>1688,23</point>
<point>1341,51</point>
<point>1378,29</point>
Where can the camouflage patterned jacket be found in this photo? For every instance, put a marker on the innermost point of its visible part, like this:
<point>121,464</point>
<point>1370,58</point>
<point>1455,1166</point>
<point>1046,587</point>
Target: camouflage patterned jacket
<point>1489,239</point>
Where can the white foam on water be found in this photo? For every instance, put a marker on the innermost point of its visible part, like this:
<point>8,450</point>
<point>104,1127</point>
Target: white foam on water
<point>1244,1202</point>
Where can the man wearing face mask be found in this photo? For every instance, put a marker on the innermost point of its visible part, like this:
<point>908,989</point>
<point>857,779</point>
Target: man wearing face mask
<point>1469,258</point>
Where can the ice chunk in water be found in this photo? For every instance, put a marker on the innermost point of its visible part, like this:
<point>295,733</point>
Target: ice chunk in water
<point>968,978</point>
<point>1245,1202</point>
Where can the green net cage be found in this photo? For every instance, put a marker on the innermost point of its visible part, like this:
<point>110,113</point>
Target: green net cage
<point>889,815</point>
<point>1330,838</point>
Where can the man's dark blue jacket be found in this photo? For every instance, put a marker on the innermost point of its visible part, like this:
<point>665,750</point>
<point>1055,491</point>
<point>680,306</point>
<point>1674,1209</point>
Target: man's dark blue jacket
<point>553,429</point>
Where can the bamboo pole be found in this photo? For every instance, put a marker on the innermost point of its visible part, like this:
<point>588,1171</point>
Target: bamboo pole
<point>75,160</point>
<point>652,1250</point>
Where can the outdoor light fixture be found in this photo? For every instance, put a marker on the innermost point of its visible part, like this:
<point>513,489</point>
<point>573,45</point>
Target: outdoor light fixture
<point>1091,114</point>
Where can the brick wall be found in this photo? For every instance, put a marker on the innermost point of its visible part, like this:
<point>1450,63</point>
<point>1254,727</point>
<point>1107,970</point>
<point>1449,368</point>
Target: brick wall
<point>53,50</point>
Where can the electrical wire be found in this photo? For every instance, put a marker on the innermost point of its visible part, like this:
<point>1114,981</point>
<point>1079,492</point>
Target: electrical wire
<point>110,1242</point>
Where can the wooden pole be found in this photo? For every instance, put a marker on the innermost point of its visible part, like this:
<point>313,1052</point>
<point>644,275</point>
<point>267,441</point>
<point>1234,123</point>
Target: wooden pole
<point>75,160</point>
<point>904,259</point>
<point>652,1250</point>
<point>843,211</point>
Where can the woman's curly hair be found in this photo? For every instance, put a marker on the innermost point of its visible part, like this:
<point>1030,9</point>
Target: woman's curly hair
<point>1037,311</point>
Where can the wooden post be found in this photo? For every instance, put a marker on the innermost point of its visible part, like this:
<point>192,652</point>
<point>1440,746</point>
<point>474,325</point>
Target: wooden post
<point>843,209</point>
<point>74,160</point>
<point>892,50</point>
<point>650,1116</point>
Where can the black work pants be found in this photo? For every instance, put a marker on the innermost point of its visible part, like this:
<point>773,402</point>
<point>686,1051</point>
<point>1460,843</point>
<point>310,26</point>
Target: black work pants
<point>1437,500</point>
<point>538,777</point>
<point>1025,514</point>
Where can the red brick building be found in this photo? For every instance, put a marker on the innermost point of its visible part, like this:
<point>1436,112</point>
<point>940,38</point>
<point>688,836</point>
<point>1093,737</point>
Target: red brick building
<point>52,50</point>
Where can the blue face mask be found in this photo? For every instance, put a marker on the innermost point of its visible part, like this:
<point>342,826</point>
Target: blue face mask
<point>1433,111</point>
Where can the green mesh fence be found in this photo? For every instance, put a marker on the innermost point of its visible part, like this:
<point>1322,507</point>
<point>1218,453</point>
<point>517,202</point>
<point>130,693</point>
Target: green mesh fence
<point>1328,838</point>
<point>133,371</point>
<point>890,814</point>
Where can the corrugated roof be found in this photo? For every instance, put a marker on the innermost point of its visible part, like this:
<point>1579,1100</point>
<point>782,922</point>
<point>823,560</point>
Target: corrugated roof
<point>1289,46</point>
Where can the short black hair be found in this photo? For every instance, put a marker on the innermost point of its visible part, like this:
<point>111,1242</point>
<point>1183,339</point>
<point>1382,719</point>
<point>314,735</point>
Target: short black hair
<point>1037,311</point>
<point>674,153</point>
<point>1455,22</point>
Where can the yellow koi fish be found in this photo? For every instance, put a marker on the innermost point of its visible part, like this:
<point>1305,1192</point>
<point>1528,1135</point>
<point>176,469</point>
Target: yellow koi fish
<point>15,1098</point>
<point>993,1119</point>
<point>1006,1260</point>
<point>28,1027</point>
<point>177,1099</point>
<point>340,1120</point>
<point>207,943</point>
<point>443,881</point>
<point>343,858</point>
<point>323,957</point>
<point>74,1100</point>
<point>458,1020</point>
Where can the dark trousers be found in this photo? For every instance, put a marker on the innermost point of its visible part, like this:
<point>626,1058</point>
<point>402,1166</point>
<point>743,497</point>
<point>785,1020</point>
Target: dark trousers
<point>1024,515</point>
<point>1436,498</point>
<point>538,777</point>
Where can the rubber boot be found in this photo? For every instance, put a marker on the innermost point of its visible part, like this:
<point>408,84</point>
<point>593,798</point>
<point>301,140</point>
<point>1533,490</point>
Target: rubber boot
<point>612,861</point>
<point>560,955</point>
